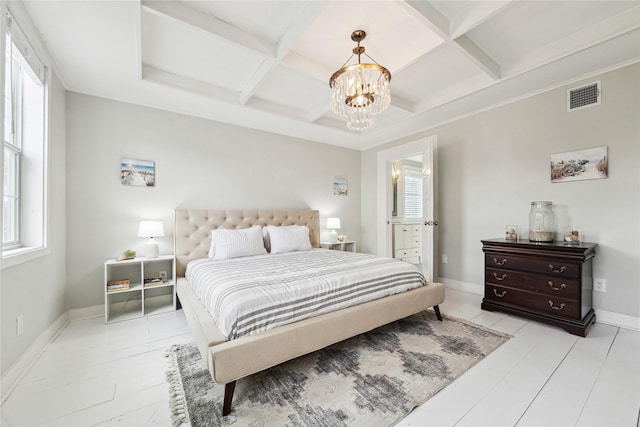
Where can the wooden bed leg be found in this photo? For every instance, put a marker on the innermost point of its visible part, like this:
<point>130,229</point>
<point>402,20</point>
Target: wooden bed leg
<point>437,310</point>
<point>228,397</point>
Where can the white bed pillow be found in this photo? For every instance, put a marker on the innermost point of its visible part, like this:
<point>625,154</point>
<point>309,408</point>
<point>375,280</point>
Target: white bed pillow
<point>289,238</point>
<point>229,243</point>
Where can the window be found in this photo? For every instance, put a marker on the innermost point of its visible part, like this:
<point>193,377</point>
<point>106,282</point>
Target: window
<point>24,123</point>
<point>412,194</point>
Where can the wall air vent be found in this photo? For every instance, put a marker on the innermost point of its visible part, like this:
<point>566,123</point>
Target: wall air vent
<point>583,96</point>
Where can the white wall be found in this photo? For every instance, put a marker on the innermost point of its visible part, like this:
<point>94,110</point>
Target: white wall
<point>493,164</point>
<point>199,164</point>
<point>37,288</point>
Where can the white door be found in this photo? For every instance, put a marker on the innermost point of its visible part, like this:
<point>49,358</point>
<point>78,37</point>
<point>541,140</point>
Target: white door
<point>429,211</point>
<point>427,147</point>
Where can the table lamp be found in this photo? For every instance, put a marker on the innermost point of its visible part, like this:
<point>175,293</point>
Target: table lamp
<point>333,224</point>
<point>151,229</point>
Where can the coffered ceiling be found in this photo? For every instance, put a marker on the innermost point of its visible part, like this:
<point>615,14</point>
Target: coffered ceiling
<point>266,64</point>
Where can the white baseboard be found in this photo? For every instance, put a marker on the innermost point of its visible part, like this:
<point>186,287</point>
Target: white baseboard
<point>607,317</point>
<point>21,366</point>
<point>462,286</point>
<point>618,319</point>
<point>86,312</point>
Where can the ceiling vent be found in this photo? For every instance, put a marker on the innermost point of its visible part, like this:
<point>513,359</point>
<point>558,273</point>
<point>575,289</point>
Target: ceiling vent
<point>583,96</point>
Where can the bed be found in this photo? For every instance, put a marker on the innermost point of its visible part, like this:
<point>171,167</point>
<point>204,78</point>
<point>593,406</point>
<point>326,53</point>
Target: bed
<point>231,359</point>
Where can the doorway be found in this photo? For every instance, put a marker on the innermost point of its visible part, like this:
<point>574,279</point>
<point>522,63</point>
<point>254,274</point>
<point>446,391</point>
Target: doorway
<point>426,150</point>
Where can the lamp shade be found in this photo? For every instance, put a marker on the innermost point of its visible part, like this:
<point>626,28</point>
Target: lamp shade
<point>150,229</point>
<point>333,223</point>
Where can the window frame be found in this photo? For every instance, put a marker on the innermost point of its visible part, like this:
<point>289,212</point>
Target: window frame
<point>33,241</point>
<point>14,145</point>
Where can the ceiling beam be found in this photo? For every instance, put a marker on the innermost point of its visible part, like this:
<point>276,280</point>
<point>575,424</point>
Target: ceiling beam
<point>403,104</point>
<point>432,18</point>
<point>478,56</point>
<point>319,111</point>
<point>156,75</point>
<point>253,83</point>
<point>275,109</point>
<point>212,26</point>
<point>298,26</point>
<point>286,43</point>
<point>137,41</point>
<point>478,13</point>
<point>598,33</point>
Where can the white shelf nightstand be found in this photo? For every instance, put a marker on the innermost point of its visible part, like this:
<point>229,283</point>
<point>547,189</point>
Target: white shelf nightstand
<point>139,299</point>
<point>347,246</point>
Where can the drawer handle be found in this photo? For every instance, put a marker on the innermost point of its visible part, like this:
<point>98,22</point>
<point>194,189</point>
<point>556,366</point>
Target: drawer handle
<point>560,307</point>
<point>504,276</point>
<point>501,294</point>
<point>560,270</point>
<point>503,262</point>
<point>555,288</point>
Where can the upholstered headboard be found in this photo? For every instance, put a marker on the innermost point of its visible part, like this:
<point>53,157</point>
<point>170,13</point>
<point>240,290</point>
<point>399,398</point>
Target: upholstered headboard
<point>192,228</point>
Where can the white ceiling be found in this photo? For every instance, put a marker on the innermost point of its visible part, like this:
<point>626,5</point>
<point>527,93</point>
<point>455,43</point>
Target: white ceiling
<point>266,64</point>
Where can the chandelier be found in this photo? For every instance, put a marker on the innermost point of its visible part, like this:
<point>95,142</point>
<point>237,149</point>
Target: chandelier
<point>360,91</point>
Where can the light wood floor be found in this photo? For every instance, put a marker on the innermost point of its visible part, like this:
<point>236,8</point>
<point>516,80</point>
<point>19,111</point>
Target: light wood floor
<point>94,374</point>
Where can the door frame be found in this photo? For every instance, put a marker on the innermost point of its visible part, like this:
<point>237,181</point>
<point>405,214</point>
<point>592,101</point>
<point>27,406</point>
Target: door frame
<point>384,189</point>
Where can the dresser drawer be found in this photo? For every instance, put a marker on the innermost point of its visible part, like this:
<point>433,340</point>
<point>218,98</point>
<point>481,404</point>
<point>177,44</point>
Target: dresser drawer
<point>559,287</point>
<point>545,284</point>
<point>538,265</point>
<point>403,253</point>
<point>545,304</point>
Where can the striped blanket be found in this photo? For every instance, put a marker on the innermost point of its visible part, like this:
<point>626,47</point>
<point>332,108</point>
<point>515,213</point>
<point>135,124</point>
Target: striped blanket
<point>253,294</point>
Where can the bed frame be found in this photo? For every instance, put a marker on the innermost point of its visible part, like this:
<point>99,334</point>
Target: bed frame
<point>229,361</point>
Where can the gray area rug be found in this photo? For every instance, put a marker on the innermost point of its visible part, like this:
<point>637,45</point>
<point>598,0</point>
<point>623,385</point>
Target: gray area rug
<point>374,379</point>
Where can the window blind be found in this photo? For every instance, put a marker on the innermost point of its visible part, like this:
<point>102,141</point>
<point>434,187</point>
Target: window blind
<point>412,194</point>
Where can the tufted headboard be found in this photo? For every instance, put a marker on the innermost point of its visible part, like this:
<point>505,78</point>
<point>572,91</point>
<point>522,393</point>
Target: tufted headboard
<point>192,228</point>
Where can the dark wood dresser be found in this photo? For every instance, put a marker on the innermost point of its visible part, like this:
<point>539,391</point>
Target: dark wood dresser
<point>547,282</point>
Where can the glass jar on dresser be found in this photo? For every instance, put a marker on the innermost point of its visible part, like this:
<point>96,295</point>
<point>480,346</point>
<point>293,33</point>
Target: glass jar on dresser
<point>546,282</point>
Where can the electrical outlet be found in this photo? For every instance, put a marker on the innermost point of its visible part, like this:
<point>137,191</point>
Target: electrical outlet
<point>445,259</point>
<point>163,275</point>
<point>19,325</point>
<point>600,285</point>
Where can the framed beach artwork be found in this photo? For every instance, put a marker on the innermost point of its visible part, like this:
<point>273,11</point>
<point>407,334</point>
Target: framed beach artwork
<point>590,163</point>
<point>138,173</point>
<point>339,187</point>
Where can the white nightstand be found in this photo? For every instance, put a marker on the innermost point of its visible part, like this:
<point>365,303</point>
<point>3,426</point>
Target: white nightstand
<point>139,298</point>
<point>347,246</point>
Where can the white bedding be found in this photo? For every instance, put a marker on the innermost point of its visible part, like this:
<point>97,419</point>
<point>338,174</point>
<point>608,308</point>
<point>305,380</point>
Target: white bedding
<point>252,294</point>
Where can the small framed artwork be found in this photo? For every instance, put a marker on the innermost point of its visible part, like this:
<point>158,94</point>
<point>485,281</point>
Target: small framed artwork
<point>138,173</point>
<point>590,163</point>
<point>339,187</point>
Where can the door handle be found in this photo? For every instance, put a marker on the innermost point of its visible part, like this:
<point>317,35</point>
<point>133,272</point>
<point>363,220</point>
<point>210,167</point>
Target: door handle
<point>431,222</point>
